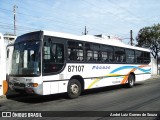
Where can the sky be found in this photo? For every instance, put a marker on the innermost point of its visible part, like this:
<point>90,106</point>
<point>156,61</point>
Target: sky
<point>107,17</point>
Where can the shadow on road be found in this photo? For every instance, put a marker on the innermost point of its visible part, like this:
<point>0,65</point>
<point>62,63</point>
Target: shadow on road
<point>108,89</point>
<point>157,118</point>
<point>26,98</point>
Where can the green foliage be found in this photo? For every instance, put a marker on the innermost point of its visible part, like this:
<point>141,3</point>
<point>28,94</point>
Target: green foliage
<point>149,37</point>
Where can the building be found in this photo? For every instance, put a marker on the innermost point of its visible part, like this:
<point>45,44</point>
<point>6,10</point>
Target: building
<point>9,38</point>
<point>5,40</point>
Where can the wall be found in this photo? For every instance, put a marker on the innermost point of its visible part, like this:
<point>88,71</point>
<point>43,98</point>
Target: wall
<point>153,66</point>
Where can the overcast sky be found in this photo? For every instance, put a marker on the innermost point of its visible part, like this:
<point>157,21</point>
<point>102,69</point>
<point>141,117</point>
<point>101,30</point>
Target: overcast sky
<point>108,17</point>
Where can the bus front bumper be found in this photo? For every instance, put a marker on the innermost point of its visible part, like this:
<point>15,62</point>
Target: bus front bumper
<point>21,87</point>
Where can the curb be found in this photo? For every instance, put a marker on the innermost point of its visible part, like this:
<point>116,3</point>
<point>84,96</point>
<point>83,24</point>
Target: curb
<point>2,97</point>
<point>8,94</point>
<point>155,77</point>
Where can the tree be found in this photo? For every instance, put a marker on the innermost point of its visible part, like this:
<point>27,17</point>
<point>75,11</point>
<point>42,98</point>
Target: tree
<point>149,37</point>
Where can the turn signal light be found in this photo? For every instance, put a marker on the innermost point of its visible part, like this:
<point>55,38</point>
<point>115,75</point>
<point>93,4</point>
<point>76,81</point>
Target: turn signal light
<point>32,85</point>
<point>35,84</point>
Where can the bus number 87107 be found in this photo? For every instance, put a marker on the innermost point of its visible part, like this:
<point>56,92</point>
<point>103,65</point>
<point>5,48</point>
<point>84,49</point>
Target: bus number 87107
<point>75,68</point>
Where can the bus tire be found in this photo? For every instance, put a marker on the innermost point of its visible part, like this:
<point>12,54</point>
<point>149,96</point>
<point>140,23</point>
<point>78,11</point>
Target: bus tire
<point>74,88</point>
<point>131,81</point>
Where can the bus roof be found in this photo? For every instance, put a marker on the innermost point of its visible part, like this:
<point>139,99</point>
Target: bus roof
<point>87,38</point>
<point>94,39</point>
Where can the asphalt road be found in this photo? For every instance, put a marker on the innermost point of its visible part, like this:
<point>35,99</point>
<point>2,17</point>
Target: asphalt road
<point>142,97</point>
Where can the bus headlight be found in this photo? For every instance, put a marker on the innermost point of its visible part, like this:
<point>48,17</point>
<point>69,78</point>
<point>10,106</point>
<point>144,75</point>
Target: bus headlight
<point>32,85</point>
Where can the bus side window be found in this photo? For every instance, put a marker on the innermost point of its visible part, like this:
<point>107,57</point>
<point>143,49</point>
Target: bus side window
<point>73,55</point>
<point>80,51</point>
<point>89,55</point>
<point>139,56</point>
<point>93,52</point>
<point>146,57</point>
<point>80,54</point>
<point>53,55</point>
<point>107,53</point>
<point>75,51</point>
<point>120,55</point>
<point>105,57</point>
<point>130,56</point>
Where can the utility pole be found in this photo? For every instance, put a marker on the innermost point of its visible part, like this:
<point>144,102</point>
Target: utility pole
<point>131,37</point>
<point>14,12</point>
<point>85,31</point>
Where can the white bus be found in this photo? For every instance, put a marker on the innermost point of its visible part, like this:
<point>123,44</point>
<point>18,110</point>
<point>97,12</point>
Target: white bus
<point>2,65</point>
<point>47,62</point>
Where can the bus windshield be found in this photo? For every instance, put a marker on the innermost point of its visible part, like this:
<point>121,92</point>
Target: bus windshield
<point>26,59</point>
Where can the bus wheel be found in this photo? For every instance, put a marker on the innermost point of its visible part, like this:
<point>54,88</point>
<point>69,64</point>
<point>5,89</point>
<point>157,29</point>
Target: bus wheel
<point>131,81</point>
<point>74,88</point>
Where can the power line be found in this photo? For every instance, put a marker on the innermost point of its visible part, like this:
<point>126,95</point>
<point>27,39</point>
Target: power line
<point>60,22</point>
<point>123,8</point>
<point>35,17</point>
<point>39,18</point>
<point>11,28</point>
<point>110,13</point>
<point>19,26</point>
<point>115,15</point>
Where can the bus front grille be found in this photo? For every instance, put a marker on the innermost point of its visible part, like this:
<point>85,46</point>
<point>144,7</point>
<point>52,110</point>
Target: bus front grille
<point>19,85</point>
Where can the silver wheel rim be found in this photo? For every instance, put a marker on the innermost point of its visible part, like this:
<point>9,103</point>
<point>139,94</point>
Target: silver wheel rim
<point>74,88</point>
<point>131,82</point>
